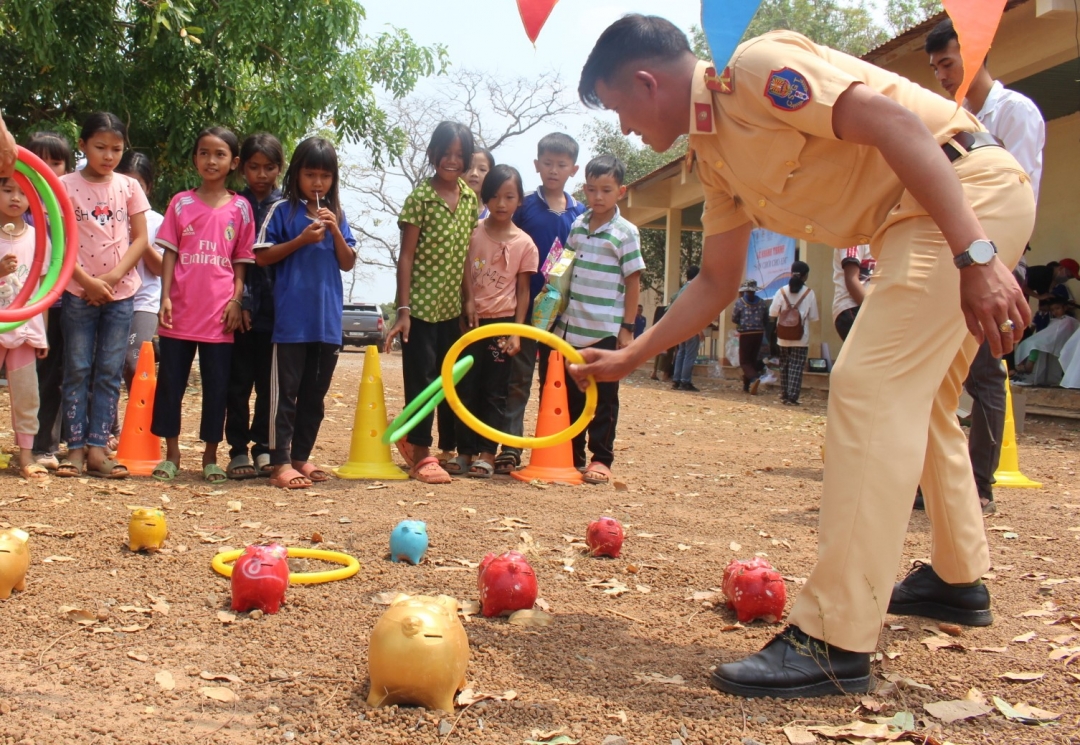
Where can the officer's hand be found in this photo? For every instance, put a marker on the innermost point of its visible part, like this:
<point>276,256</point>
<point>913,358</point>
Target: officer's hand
<point>603,365</point>
<point>990,297</point>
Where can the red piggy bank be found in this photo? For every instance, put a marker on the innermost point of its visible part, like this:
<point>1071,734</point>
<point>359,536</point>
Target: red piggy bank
<point>260,578</point>
<point>754,590</point>
<point>507,583</point>
<point>604,537</point>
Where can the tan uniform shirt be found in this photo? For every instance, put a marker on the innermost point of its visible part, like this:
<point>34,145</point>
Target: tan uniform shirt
<point>765,149</point>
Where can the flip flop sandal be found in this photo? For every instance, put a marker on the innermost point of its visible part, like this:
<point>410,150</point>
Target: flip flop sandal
<point>68,470</point>
<point>108,469</point>
<point>456,466</point>
<point>166,470</point>
<point>263,465</point>
<point>310,470</point>
<point>506,463</point>
<point>34,472</point>
<point>428,471</point>
<point>241,468</point>
<point>290,478</point>
<point>597,474</point>
<point>213,474</point>
<point>481,469</point>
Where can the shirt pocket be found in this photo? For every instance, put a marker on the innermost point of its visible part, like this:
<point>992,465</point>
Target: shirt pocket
<point>807,169</point>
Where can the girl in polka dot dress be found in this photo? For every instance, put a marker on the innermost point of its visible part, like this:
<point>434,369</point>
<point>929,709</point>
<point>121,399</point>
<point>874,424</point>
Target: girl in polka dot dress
<point>436,223</point>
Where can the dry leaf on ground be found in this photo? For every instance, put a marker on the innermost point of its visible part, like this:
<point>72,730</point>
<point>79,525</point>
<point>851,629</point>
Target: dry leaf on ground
<point>676,680</point>
<point>530,618</point>
<point>955,711</point>
<point>165,680</point>
<point>1022,677</point>
<point>219,693</point>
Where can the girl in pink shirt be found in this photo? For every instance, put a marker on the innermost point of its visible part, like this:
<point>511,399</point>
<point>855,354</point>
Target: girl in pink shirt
<point>495,289</point>
<point>97,308</point>
<point>22,347</point>
<point>207,235</point>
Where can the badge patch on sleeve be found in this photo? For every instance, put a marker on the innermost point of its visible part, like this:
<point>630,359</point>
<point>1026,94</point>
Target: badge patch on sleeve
<point>787,89</point>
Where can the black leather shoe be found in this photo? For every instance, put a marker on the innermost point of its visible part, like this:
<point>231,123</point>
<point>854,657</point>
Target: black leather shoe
<point>794,665</point>
<point>676,386</point>
<point>923,593</point>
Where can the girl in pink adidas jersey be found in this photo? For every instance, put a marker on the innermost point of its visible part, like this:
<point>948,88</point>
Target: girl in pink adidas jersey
<point>207,236</point>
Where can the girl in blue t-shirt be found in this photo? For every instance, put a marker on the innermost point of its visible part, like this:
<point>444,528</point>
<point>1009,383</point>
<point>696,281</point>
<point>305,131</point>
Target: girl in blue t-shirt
<point>307,239</point>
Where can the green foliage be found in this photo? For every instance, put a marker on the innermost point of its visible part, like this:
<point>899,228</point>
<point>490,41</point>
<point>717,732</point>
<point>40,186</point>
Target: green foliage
<point>171,67</point>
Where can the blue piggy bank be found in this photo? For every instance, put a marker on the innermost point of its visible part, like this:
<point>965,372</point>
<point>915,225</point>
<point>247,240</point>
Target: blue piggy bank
<point>409,541</point>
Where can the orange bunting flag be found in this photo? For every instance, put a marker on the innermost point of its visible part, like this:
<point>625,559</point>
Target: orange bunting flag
<point>976,22</point>
<point>534,14</point>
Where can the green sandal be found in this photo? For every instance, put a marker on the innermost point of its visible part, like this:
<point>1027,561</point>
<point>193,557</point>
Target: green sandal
<point>213,474</point>
<point>166,470</point>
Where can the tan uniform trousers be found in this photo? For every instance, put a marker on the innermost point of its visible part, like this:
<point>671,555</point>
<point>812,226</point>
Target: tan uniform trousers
<point>892,413</point>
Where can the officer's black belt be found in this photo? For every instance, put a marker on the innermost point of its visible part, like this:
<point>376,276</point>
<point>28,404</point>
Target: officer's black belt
<point>965,142</point>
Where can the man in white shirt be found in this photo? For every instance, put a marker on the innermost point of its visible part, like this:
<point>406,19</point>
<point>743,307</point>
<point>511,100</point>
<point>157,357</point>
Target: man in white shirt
<point>1015,120</point>
<point>852,267</point>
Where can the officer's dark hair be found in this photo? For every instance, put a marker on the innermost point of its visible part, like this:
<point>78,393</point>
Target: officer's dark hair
<point>498,176</point>
<point>632,38</point>
<point>557,143</point>
<point>606,165</point>
<point>939,37</point>
<point>692,271</point>
<point>443,137</point>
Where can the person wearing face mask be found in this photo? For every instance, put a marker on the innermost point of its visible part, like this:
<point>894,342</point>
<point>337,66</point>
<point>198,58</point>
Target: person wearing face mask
<point>794,307</point>
<point>749,318</point>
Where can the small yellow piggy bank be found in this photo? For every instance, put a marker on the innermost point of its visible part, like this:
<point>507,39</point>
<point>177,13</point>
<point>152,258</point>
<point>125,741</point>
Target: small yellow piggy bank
<point>418,653</point>
<point>147,530</point>
<point>14,561</point>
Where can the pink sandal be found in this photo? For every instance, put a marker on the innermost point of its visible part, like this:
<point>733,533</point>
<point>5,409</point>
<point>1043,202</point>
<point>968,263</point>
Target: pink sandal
<point>314,473</point>
<point>428,471</point>
<point>290,478</point>
<point>597,473</point>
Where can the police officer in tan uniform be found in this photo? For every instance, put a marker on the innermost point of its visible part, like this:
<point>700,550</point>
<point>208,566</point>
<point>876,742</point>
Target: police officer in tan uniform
<point>810,142</point>
<point>8,151</point>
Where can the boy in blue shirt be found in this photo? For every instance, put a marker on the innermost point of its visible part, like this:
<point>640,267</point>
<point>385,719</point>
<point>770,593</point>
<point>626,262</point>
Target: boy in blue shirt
<point>546,215</point>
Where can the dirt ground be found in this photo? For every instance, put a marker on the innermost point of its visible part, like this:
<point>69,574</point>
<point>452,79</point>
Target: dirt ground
<point>710,476</point>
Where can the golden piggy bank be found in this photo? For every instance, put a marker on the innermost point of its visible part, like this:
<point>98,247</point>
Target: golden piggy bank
<point>14,561</point>
<point>418,653</point>
<point>147,530</point>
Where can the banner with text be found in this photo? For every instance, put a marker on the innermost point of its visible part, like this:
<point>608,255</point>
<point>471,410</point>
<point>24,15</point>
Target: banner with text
<point>769,260</point>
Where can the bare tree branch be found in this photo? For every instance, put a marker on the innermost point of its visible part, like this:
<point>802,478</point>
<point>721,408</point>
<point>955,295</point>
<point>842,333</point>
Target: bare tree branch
<point>495,109</point>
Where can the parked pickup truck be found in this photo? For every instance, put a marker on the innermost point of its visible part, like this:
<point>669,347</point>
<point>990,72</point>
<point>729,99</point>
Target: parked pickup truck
<point>362,324</point>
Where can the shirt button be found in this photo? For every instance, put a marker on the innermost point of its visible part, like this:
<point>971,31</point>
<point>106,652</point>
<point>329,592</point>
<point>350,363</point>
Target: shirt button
<point>761,203</point>
<point>809,228</point>
<point>719,164</point>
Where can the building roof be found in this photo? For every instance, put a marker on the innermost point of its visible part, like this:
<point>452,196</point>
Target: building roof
<point>916,32</point>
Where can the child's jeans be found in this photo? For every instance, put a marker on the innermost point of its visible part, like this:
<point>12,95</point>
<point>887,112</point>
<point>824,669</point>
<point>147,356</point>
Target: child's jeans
<point>173,372</point>
<point>483,390</point>
<point>421,359</point>
<point>23,387</point>
<point>95,342</point>
<point>601,430</point>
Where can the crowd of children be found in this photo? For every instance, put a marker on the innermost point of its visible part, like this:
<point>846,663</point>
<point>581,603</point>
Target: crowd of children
<point>250,282</point>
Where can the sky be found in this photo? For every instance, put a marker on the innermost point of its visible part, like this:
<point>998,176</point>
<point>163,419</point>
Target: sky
<point>487,35</point>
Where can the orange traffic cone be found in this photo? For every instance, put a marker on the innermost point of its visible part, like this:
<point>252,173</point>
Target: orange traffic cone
<point>555,463</point>
<point>1008,470</point>
<point>140,450</point>
<point>369,458</point>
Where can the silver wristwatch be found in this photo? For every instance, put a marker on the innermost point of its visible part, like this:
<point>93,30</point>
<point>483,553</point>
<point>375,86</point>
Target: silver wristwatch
<point>980,252</point>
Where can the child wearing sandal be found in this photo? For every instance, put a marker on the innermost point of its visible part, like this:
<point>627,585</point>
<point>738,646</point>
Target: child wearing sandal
<point>502,259</point>
<point>23,346</point>
<point>110,212</point>
<point>207,236</point>
<point>308,241</point>
<point>436,223</point>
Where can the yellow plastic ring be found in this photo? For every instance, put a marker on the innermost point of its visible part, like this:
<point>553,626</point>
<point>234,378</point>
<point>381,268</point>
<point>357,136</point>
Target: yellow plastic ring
<point>222,564</point>
<point>529,332</point>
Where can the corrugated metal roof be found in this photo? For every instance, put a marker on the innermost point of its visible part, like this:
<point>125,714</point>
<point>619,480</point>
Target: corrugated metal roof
<point>915,32</point>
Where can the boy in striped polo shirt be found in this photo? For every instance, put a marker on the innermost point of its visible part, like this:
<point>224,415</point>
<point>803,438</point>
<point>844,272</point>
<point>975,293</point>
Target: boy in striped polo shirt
<point>604,289</point>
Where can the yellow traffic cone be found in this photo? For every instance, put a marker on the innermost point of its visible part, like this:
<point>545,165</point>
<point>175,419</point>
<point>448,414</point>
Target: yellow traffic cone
<point>369,458</point>
<point>1008,470</point>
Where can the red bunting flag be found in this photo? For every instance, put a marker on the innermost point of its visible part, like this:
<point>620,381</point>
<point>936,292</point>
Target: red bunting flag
<point>534,14</point>
<point>976,22</point>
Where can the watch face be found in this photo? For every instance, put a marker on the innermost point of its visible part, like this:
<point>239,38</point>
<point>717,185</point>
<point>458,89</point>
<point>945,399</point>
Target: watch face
<point>981,252</point>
